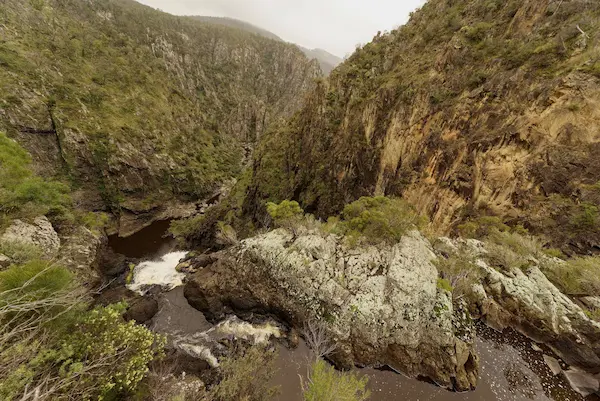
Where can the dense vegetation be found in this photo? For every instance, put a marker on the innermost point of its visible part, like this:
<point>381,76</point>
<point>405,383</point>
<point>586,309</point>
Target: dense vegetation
<point>135,104</point>
<point>22,193</point>
<point>446,112</point>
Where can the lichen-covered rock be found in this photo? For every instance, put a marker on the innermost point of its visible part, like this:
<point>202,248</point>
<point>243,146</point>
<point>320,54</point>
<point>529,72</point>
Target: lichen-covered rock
<point>40,233</point>
<point>4,261</point>
<point>81,251</point>
<point>525,300</point>
<point>382,305</point>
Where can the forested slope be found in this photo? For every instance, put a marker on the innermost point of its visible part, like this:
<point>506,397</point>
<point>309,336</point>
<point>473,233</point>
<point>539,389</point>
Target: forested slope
<point>135,106</point>
<point>474,108</point>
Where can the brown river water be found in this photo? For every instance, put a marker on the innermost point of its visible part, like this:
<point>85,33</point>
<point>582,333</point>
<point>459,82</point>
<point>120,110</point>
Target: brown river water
<point>511,369</point>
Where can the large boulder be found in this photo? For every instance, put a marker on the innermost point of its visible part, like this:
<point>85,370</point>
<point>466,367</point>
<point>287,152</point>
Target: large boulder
<point>525,300</point>
<point>40,233</point>
<point>81,252</point>
<point>381,305</point>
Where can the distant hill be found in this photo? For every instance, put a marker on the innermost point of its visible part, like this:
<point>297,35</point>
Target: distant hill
<point>326,60</point>
<point>234,23</point>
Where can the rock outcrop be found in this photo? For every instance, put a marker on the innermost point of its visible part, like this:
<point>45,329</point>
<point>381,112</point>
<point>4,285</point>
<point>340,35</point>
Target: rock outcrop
<point>39,233</point>
<point>381,305</point>
<point>525,300</point>
<point>81,251</point>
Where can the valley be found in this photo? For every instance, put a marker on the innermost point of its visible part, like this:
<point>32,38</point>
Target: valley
<point>192,209</point>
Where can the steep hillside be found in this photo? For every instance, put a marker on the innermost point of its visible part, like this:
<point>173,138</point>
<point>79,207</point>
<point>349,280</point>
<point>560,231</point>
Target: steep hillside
<point>326,60</point>
<point>235,23</point>
<point>474,108</point>
<point>135,106</point>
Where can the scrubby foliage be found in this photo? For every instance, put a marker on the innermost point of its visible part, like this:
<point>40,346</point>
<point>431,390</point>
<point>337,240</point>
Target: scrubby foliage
<point>53,348</point>
<point>425,108</point>
<point>458,273</point>
<point>286,214</point>
<point>324,383</point>
<point>579,276</point>
<point>247,376</point>
<point>114,83</point>
<point>22,193</point>
<point>379,219</point>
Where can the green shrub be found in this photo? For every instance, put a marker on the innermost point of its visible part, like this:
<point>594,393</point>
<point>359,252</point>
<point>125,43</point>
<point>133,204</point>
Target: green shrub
<point>326,384</point>
<point>186,228</point>
<point>285,213</point>
<point>247,376</point>
<point>96,222</point>
<point>20,252</point>
<point>578,276</point>
<point>444,284</point>
<point>509,250</point>
<point>22,194</point>
<point>47,336</point>
<point>481,227</point>
<point>554,253</point>
<point>460,272</point>
<point>34,281</point>
<point>379,219</point>
<point>477,32</point>
<point>102,335</point>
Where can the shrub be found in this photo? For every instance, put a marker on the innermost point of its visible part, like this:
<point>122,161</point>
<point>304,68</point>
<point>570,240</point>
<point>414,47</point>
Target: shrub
<point>444,284</point>
<point>109,354</point>
<point>286,213</point>
<point>247,376</point>
<point>20,252</point>
<point>460,272</point>
<point>96,222</point>
<point>508,250</point>
<point>481,227</point>
<point>379,219</point>
<point>22,194</point>
<point>578,276</point>
<point>324,383</point>
<point>52,347</point>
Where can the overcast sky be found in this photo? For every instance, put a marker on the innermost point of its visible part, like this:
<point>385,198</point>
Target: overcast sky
<point>334,25</point>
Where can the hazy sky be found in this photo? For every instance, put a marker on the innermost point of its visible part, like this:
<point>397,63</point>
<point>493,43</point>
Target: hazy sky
<point>334,25</point>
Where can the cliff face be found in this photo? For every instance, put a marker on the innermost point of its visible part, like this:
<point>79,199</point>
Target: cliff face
<point>473,108</point>
<point>136,106</point>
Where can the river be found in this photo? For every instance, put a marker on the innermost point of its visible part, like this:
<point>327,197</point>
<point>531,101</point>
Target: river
<point>512,367</point>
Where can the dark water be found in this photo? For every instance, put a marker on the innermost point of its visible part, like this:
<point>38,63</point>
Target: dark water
<point>511,370</point>
<point>148,243</point>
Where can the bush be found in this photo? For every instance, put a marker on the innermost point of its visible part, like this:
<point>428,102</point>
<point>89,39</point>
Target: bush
<point>326,384</point>
<point>444,284</point>
<point>50,345</point>
<point>578,276</point>
<point>247,376</point>
<point>20,252</point>
<point>460,272</point>
<point>22,194</point>
<point>379,219</point>
<point>285,214</point>
<point>508,250</point>
<point>481,227</point>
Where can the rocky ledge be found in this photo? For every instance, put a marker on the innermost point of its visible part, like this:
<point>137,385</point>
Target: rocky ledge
<point>381,305</point>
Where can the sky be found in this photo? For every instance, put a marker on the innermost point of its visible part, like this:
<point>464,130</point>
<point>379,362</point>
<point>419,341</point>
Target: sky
<point>334,25</point>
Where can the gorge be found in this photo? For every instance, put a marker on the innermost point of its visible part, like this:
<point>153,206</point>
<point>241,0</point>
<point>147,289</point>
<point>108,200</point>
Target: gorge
<point>193,209</point>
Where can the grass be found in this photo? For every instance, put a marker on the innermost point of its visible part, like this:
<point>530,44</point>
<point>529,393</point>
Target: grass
<point>577,277</point>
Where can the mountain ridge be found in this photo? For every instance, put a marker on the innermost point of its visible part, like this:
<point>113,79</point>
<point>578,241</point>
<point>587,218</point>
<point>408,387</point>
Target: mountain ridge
<point>327,60</point>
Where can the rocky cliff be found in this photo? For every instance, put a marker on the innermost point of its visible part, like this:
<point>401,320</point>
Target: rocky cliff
<point>473,108</point>
<point>380,306</point>
<point>136,106</point>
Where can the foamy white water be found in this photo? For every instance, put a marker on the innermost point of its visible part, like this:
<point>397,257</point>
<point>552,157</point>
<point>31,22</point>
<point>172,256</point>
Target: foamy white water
<point>158,272</point>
